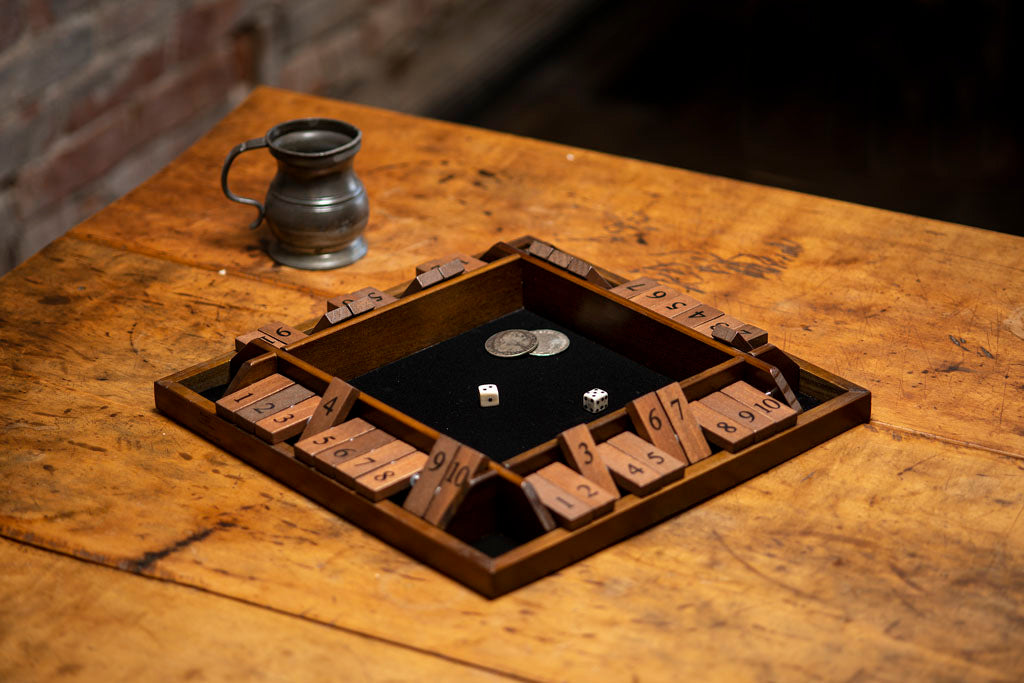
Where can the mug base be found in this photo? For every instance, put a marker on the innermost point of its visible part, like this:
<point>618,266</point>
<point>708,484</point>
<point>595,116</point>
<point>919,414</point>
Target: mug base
<point>351,253</point>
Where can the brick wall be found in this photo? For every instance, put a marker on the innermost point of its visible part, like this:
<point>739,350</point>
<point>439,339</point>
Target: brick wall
<point>99,94</point>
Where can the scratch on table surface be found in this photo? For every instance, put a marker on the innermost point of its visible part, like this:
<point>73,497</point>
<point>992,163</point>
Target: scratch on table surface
<point>752,569</point>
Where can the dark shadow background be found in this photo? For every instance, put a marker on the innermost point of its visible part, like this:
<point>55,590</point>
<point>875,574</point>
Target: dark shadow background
<point>906,105</point>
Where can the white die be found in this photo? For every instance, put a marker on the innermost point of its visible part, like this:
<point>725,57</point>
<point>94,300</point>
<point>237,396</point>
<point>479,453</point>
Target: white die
<point>595,400</point>
<point>488,395</point>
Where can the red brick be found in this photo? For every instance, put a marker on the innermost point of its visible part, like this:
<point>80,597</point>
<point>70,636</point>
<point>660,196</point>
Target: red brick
<point>120,87</point>
<point>202,26</point>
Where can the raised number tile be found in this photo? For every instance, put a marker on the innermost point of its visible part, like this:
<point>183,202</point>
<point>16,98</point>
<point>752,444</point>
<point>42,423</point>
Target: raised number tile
<point>723,431</point>
<point>652,423</point>
<point>328,460</point>
<point>360,306</point>
<point>708,328</point>
<point>388,480</point>
<point>698,316</point>
<point>629,473</point>
<point>684,424</point>
<point>634,287</point>
<point>252,393</point>
<point>468,263</point>
<point>350,470</point>
<point>731,337</point>
<point>333,317</point>
<point>559,258</point>
<point>568,511</point>
<point>441,455</point>
<point>334,406</point>
<point>375,295</point>
<point>647,453</point>
<point>247,417</point>
<point>777,411</point>
<point>335,436</point>
<point>754,335</point>
<point>287,423</point>
<point>454,485</point>
<point>581,452</point>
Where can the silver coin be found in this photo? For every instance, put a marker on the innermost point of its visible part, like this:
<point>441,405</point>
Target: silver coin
<point>511,343</point>
<point>549,343</point>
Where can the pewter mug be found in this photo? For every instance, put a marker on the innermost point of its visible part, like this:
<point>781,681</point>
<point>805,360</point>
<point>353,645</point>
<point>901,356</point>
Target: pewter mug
<point>316,207</point>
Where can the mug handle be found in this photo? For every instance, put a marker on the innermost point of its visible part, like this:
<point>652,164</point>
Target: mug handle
<point>255,143</point>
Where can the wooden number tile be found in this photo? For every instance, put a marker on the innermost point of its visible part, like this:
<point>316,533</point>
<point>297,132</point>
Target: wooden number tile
<point>308,447</point>
<point>468,263</point>
<point>559,258</point>
<point>787,392</point>
<point>243,339</point>
<point>698,316</point>
<point>708,327</point>
<point>350,470</point>
<point>454,485</point>
<point>721,430</point>
<point>247,417</point>
<point>674,305</point>
<point>648,454</point>
<point>762,403</point>
<point>244,398</point>
<point>570,512</point>
<point>327,460</point>
<point>375,295</point>
<point>655,296</point>
<point>285,334</point>
<point>579,487</point>
<point>579,267</point>
<point>333,317</point>
<point>444,450</point>
<point>286,423</point>
<point>652,423</point>
<point>540,249</point>
<point>754,335</point>
<point>730,336</point>
<point>360,306</point>
<point>684,424</point>
<point>581,452</point>
<point>386,481</point>
<point>334,407</point>
<point>749,417</point>
<point>424,280</point>
<point>452,269</point>
<point>634,287</point>
<point>629,473</point>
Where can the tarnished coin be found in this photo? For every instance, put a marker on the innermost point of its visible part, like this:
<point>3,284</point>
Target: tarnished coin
<point>511,343</point>
<point>549,342</point>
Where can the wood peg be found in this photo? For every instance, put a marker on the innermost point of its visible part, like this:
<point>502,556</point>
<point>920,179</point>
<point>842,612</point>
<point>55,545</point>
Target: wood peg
<point>581,453</point>
<point>333,408</point>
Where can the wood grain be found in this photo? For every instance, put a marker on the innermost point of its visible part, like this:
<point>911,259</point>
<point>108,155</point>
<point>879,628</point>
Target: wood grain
<point>894,548</point>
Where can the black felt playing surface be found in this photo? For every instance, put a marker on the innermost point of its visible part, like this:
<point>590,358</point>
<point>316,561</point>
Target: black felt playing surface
<point>539,397</point>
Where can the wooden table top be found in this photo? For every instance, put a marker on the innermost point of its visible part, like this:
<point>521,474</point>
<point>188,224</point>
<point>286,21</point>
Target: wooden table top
<point>895,548</point>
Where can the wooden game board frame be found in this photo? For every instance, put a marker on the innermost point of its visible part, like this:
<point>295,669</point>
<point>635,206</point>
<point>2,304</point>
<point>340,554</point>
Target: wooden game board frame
<point>511,278</point>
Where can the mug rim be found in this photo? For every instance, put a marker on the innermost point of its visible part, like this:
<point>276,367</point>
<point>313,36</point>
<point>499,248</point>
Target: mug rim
<point>314,123</point>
